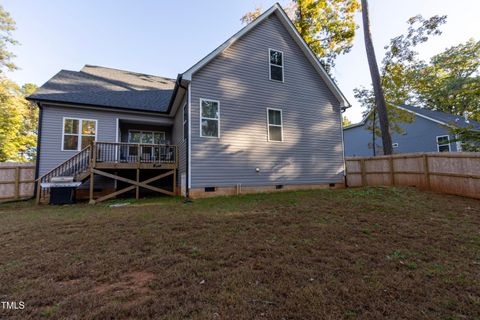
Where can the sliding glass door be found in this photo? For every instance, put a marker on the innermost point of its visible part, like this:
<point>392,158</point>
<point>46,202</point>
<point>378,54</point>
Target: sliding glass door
<point>147,153</point>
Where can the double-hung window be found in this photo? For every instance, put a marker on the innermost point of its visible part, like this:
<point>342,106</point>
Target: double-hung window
<point>443,143</point>
<point>275,124</point>
<point>209,118</point>
<point>78,133</point>
<point>276,65</point>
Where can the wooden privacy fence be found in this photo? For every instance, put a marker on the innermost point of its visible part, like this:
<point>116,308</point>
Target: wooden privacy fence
<point>452,173</point>
<point>17,180</point>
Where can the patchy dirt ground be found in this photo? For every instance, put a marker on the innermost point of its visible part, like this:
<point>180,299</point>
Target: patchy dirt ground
<point>368,253</point>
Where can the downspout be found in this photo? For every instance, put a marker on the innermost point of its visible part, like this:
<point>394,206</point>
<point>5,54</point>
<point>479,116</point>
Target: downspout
<point>187,189</point>
<point>39,135</point>
<point>345,181</point>
<point>373,134</point>
<point>187,145</point>
<point>178,83</point>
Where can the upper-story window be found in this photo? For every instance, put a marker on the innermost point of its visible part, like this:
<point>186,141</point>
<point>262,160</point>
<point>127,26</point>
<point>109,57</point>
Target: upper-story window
<point>275,124</point>
<point>209,118</point>
<point>276,65</point>
<point>78,133</point>
<point>443,143</point>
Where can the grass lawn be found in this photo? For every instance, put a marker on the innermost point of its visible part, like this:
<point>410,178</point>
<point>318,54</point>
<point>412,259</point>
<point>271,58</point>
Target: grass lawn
<point>371,253</point>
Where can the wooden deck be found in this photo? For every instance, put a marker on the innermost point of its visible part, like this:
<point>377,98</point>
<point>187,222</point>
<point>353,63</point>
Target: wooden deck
<point>101,157</point>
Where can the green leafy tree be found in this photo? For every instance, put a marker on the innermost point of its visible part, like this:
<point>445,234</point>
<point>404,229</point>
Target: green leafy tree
<point>18,117</point>
<point>469,138</point>
<point>398,65</point>
<point>327,26</point>
<point>7,25</point>
<point>17,124</point>
<point>448,81</point>
<point>451,81</point>
<point>346,121</point>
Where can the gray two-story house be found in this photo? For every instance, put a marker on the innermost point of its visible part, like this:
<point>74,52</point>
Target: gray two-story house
<point>429,131</point>
<point>258,113</point>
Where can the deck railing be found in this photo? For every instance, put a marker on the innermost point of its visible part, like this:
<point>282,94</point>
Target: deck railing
<point>122,152</point>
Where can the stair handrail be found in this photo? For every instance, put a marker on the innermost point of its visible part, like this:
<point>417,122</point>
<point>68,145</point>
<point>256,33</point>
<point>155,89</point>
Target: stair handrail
<point>80,153</point>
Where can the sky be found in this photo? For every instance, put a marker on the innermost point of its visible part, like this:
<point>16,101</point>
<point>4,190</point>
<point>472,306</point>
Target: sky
<point>165,38</point>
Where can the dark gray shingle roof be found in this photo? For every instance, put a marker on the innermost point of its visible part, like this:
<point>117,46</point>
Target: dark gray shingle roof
<point>448,118</point>
<point>108,87</point>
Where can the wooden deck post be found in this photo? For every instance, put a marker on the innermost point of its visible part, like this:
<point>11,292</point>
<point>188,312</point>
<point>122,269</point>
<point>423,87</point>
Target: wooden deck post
<point>39,191</point>
<point>92,184</point>
<point>426,171</point>
<point>137,188</point>
<point>175,181</point>
<point>94,155</point>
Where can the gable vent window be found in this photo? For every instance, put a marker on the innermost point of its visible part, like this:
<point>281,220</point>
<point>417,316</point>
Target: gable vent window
<point>275,125</point>
<point>276,65</point>
<point>210,118</point>
<point>443,143</point>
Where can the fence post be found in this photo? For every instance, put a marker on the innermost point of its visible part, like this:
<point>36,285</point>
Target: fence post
<point>17,183</point>
<point>426,171</point>
<point>364,174</point>
<point>392,171</point>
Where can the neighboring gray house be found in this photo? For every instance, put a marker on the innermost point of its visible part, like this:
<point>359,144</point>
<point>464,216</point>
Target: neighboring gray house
<point>258,113</point>
<point>430,131</point>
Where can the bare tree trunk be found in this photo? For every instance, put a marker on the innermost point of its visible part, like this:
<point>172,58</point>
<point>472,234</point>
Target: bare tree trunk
<point>377,85</point>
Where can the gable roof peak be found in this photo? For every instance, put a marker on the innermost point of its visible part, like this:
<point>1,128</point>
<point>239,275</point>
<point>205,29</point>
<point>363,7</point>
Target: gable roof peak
<point>287,23</point>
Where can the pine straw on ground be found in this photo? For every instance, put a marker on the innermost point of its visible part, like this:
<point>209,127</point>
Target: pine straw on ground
<point>370,253</point>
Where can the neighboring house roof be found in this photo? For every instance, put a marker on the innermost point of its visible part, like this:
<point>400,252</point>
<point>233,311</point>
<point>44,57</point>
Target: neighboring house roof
<point>439,117</point>
<point>275,9</point>
<point>100,86</point>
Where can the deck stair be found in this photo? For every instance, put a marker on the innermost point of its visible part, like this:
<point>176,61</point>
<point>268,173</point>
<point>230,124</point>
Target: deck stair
<point>77,167</point>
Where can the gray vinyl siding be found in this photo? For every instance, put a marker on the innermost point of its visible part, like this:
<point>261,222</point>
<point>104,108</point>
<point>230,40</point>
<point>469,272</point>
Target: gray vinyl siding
<point>178,140</point>
<point>419,136</point>
<point>311,152</point>
<point>51,154</point>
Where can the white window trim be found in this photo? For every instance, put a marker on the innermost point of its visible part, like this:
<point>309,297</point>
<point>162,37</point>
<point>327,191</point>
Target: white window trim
<point>274,125</point>
<point>201,118</point>
<point>185,106</point>
<point>445,144</point>
<point>142,131</point>
<point>270,64</point>
<point>79,134</point>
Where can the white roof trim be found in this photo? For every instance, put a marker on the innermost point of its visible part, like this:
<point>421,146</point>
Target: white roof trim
<point>425,117</point>
<point>277,9</point>
<point>364,120</point>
